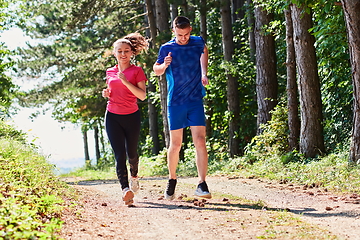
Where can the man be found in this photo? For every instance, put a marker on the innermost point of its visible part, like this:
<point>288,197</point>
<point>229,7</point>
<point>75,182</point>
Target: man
<point>184,59</point>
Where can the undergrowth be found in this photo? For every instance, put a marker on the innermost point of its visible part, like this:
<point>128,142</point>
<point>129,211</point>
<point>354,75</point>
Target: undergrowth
<point>31,196</point>
<point>265,157</point>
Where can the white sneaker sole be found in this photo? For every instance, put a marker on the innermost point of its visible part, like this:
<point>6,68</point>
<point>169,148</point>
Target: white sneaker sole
<point>169,197</point>
<point>203,195</point>
<point>128,198</point>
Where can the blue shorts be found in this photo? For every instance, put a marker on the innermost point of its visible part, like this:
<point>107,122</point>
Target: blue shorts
<point>190,114</point>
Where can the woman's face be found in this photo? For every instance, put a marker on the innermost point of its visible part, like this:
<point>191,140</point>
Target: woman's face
<point>123,52</point>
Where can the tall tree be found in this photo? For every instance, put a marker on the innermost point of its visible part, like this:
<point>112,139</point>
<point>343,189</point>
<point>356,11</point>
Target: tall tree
<point>266,79</point>
<point>291,87</point>
<point>86,143</point>
<point>232,83</point>
<point>162,22</point>
<point>311,131</point>
<point>203,22</point>
<point>238,12</point>
<point>351,10</point>
<point>152,110</point>
<point>251,25</point>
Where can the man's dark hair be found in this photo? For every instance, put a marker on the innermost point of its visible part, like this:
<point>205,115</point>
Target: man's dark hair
<point>181,22</point>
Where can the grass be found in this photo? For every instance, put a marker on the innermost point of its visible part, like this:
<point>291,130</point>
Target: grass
<point>31,196</point>
<point>332,172</point>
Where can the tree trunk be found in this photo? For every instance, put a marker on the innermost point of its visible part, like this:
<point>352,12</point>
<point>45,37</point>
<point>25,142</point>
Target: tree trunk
<point>203,26</point>
<point>266,79</point>
<point>162,22</point>
<point>291,88</point>
<point>174,11</point>
<point>152,111</point>
<point>86,145</point>
<point>251,25</point>
<point>311,131</point>
<point>203,34</point>
<point>152,22</point>
<point>237,10</point>
<point>232,84</point>
<point>351,10</point>
<point>103,144</point>
<point>97,145</point>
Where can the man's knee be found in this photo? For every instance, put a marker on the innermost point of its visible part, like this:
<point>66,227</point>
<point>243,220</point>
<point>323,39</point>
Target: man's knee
<point>175,146</point>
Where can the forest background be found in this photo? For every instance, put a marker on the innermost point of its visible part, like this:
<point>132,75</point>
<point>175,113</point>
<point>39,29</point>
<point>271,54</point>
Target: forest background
<point>282,74</point>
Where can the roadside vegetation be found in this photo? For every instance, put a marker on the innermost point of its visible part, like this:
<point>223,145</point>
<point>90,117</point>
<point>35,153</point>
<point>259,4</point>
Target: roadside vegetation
<point>31,196</point>
<point>265,157</point>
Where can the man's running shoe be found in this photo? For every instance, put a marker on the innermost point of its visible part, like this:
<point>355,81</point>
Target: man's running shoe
<point>128,196</point>
<point>134,184</point>
<point>170,190</point>
<point>202,190</point>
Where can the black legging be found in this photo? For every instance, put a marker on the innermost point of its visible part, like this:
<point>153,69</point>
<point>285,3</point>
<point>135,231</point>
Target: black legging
<point>123,132</point>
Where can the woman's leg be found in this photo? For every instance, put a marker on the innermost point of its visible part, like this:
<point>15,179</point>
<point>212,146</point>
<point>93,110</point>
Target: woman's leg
<point>132,133</point>
<point>116,135</point>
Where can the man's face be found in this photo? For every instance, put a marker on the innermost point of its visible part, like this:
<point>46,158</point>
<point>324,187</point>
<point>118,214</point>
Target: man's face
<point>182,35</point>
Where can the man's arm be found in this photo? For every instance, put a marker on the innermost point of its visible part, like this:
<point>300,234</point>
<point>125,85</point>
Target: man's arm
<point>160,69</point>
<point>204,66</point>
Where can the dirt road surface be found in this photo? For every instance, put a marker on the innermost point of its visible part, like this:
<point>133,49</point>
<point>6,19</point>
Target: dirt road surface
<point>240,209</point>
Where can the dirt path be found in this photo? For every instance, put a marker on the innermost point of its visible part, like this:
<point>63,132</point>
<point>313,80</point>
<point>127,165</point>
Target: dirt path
<point>314,214</point>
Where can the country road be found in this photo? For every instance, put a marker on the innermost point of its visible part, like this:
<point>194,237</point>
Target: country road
<point>239,209</point>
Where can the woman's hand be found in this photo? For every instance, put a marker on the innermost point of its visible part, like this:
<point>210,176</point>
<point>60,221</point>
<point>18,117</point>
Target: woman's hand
<point>106,92</point>
<point>122,77</point>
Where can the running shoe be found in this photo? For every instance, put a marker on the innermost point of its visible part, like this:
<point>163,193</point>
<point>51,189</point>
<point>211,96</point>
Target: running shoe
<point>134,184</point>
<point>128,196</point>
<point>202,190</point>
<point>170,190</point>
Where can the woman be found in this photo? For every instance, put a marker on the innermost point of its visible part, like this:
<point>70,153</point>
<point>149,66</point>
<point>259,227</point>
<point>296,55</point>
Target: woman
<point>126,83</point>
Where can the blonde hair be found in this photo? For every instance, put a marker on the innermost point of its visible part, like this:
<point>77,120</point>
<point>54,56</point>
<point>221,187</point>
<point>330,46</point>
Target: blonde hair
<point>137,42</point>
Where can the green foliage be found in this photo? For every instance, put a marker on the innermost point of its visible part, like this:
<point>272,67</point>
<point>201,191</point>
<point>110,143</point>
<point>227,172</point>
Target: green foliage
<point>241,67</point>
<point>9,132</point>
<point>30,193</point>
<point>273,139</point>
<point>6,85</point>
<point>335,74</point>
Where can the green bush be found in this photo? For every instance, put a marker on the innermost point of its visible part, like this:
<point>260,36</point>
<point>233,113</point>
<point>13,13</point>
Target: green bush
<point>9,132</point>
<point>30,193</point>
<point>274,137</point>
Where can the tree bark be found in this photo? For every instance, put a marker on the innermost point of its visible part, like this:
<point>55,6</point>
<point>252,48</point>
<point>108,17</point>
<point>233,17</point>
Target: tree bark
<point>174,11</point>
<point>97,145</point>
<point>266,79</point>
<point>203,26</point>
<point>311,131</point>
<point>162,22</point>
<point>237,10</point>
<point>86,145</point>
<point>291,87</point>
<point>232,84</point>
<point>351,10</point>
<point>152,111</point>
<point>152,22</point>
<point>251,25</point>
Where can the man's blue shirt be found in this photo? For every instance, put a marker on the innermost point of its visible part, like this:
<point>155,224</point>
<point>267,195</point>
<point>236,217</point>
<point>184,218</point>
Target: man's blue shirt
<point>183,75</point>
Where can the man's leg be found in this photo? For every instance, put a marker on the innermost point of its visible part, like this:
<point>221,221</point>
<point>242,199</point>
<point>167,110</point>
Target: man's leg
<point>173,151</point>
<point>199,137</point>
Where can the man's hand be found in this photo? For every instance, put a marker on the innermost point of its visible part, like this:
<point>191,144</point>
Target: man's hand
<point>204,80</point>
<point>160,69</point>
<point>168,59</point>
